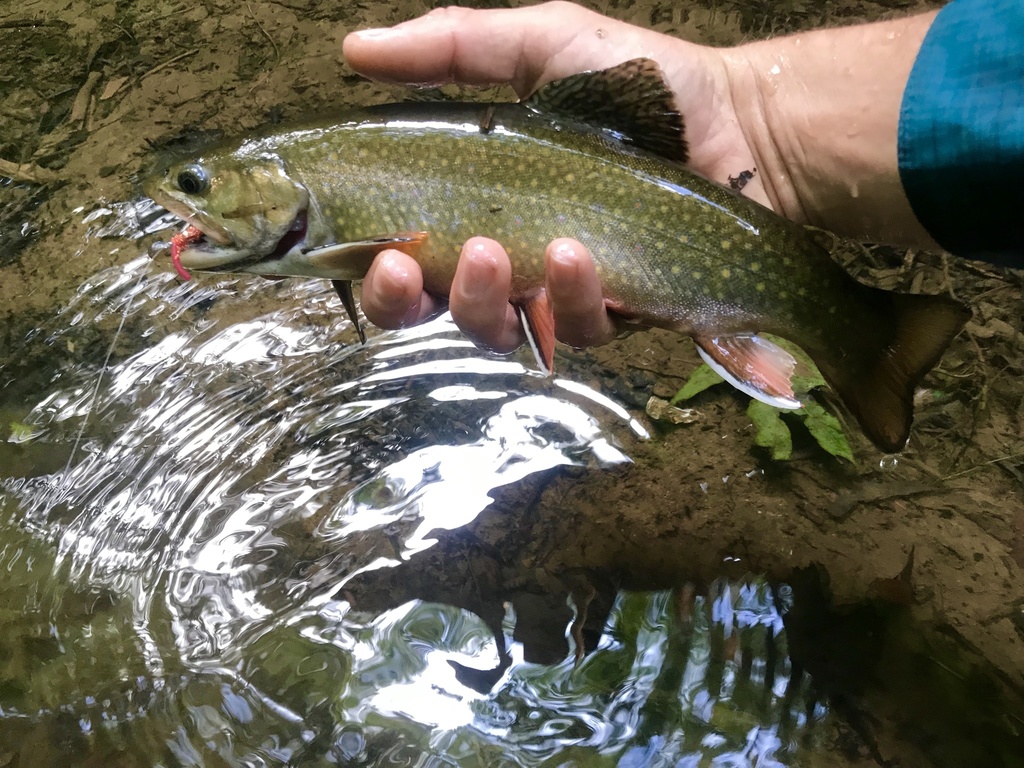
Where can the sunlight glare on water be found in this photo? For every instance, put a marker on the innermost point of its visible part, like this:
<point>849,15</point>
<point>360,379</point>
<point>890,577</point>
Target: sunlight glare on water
<point>191,506</point>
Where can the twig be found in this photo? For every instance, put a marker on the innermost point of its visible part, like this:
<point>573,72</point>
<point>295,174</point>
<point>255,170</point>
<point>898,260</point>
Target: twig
<point>845,502</point>
<point>169,62</point>
<point>983,465</point>
<point>26,172</point>
<point>277,53</point>
<point>129,34</point>
<point>30,23</point>
<point>80,107</point>
<point>984,271</point>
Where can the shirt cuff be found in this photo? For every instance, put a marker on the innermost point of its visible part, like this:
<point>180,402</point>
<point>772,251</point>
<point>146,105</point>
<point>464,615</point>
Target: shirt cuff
<point>961,131</point>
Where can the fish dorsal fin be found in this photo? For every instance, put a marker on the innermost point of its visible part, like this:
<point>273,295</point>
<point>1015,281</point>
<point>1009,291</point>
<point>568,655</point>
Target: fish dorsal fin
<point>631,101</point>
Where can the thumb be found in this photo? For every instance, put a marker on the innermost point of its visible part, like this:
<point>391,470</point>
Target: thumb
<point>524,47</point>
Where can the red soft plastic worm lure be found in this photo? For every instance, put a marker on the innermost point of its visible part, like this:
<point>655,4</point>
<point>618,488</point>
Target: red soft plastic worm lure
<point>180,242</point>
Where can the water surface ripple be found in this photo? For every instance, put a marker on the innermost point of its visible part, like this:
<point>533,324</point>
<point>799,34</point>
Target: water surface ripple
<point>184,508</point>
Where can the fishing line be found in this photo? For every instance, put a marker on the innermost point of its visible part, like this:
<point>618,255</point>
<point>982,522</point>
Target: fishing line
<point>99,379</point>
<point>133,213</point>
<point>55,588</point>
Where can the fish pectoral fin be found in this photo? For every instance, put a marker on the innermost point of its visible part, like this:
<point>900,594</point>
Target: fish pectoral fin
<point>752,364</point>
<point>631,102</point>
<point>357,255</point>
<point>344,290</point>
<point>539,325</point>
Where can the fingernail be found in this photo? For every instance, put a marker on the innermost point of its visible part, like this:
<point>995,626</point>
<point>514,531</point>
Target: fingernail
<point>564,255</point>
<point>396,278</point>
<point>380,33</point>
<point>480,271</point>
<point>394,268</point>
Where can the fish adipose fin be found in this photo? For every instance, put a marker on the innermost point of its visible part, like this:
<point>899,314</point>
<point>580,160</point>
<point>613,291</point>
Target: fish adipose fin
<point>877,376</point>
<point>539,325</point>
<point>632,102</point>
<point>752,364</point>
<point>344,290</point>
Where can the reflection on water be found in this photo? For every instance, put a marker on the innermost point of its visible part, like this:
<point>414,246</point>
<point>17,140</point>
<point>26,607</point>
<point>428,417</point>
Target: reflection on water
<point>214,537</point>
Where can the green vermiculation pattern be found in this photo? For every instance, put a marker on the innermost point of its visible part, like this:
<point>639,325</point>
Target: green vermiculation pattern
<point>672,249</point>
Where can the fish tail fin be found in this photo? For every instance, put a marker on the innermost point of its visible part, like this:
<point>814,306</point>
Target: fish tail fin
<point>876,377</point>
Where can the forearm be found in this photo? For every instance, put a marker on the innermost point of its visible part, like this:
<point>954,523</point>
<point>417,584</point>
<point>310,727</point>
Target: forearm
<point>821,113</point>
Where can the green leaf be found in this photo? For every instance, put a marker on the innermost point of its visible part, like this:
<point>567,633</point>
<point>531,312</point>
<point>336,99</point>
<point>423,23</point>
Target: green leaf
<point>806,376</point>
<point>701,378</point>
<point>22,433</point>
<point>826,429</point>
<point>772,432</point>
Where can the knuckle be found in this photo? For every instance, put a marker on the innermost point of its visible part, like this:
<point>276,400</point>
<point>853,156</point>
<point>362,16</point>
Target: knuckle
<point>450,13</point>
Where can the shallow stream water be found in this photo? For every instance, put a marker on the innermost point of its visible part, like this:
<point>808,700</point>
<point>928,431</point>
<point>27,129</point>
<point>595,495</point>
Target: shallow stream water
<point>191,521</point>
<point>231,535</point>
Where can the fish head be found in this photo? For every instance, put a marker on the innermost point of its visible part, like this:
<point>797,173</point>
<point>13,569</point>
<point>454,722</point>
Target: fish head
<point>249,210</point>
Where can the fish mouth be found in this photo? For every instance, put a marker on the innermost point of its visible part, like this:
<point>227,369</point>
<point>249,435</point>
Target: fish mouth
<point>213,233</point>
<point>209,252</point>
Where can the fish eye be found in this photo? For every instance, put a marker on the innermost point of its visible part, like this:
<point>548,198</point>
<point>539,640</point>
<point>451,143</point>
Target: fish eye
<point>193,180</point>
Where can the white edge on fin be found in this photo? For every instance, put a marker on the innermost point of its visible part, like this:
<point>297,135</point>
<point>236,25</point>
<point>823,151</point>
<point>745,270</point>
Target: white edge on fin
<point>532,340</point>
<point>786,403</point>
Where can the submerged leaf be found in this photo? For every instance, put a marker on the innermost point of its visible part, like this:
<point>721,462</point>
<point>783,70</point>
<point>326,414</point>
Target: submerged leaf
<point>701,378</point>
<point>22,433</point>
<point>826,429</point>
<point>807,376</point>
<point>772,432</point>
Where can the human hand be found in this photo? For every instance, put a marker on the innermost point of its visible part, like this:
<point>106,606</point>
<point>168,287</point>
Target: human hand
<point>528,47</point>
<point>816,118</point>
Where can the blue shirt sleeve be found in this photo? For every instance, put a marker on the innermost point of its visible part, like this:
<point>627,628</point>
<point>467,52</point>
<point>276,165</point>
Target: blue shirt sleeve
<point>961,131</point>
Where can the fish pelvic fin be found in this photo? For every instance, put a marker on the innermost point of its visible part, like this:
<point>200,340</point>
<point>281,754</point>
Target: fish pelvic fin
<point>539,325</point>
<point>877,379</point>
<point>754,365</point>
<point>631,102</point>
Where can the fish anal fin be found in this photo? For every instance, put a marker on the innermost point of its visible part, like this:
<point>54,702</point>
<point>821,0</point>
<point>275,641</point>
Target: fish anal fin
<point>752,364</point>
<point>631,101</point>
<point>539,325</point>
<point>344,290</point>
<point>877,376</point>
<point>355,257</point>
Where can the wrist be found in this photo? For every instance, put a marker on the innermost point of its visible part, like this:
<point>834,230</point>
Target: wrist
<point>820,111</point>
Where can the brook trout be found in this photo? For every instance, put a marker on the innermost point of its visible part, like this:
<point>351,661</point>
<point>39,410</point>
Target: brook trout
<point>597,157</point>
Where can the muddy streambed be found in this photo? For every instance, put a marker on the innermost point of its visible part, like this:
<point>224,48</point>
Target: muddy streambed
<point>231,535</point>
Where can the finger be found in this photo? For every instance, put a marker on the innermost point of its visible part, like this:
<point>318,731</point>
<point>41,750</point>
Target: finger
<point>528,47</point>
<point>577,301</point>
<point>392,293</point>
<point>480,293</point>
<point>525,47</point>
